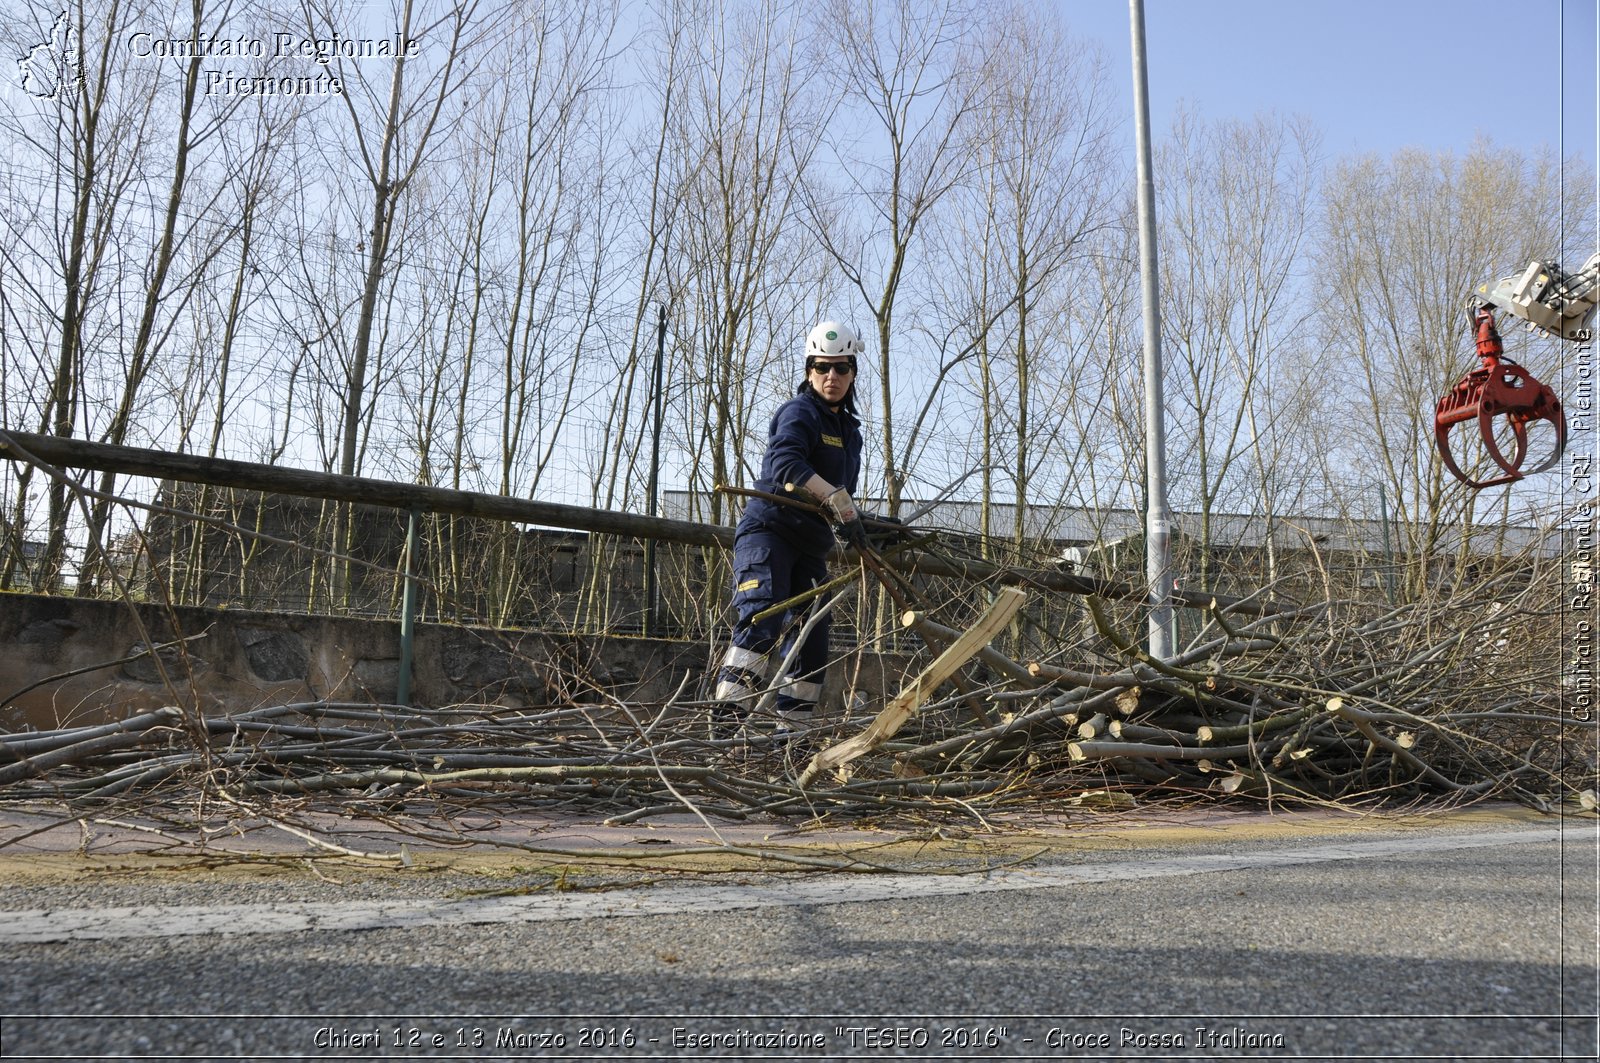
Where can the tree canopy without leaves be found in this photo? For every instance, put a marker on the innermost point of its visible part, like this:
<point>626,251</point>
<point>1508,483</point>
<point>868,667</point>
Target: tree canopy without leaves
<point>450,271</point>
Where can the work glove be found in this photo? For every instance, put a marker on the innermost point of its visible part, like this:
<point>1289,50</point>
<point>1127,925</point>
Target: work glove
<point>841,506</point>
<point>847,518</point>
<point>853,533</point>
<point>886,530</point>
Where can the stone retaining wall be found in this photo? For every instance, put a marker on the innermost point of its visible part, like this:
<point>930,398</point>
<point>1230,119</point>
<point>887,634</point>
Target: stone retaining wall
<point>86,662</point>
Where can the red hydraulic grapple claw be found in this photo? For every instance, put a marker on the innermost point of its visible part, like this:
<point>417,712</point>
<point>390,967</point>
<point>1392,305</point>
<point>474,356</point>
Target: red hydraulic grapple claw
<point>1497,388</point>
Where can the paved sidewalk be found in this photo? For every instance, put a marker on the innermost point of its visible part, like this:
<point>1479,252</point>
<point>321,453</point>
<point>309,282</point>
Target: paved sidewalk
<point>36,830</point>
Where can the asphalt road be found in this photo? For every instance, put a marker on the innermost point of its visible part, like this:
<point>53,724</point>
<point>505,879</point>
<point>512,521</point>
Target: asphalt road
<point>1234,947</point>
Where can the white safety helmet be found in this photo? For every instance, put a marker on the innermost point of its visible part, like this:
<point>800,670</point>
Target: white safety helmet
<point>832,340</point>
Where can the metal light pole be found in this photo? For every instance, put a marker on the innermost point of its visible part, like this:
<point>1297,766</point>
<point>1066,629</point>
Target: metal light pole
<point>1158,519</point>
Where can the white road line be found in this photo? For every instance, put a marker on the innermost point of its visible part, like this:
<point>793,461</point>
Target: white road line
<point>74,924</point>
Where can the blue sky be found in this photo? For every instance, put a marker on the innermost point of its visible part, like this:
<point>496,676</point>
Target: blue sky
<point>1374,75</point>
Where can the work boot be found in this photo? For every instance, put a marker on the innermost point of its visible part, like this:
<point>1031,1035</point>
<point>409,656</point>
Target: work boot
<point>788,732</point>
<point>794,721</point>
<point>726,717</point>
<point>773,727</point>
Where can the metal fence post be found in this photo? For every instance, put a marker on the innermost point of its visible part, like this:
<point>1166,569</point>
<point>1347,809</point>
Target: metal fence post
<point>408,608</point>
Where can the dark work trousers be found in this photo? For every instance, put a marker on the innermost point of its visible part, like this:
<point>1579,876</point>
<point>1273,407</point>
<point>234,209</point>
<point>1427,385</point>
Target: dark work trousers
<point>768,569</point>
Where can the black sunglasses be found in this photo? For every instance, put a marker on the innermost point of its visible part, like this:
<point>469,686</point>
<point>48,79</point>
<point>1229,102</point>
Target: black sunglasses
<point>824,368</point>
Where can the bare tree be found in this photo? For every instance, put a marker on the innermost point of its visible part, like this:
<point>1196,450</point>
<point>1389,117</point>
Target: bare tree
<point>191,233</point>
<point>666,42</point>
<point>390,135</point>
<point>222,310</point>
<point>1112,425</point>
<point>394,129</point>
<point>908,70</point>
<point>1406,241</point>
<point>740,258</point>
<point>1234,213</point>
<point>1042,160</point>
<point>81,139</point>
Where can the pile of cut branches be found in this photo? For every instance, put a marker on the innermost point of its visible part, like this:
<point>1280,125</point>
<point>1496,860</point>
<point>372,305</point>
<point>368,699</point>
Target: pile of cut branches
<point>1313,703</point>
<point>604,758</point>
<point>1460,695</point>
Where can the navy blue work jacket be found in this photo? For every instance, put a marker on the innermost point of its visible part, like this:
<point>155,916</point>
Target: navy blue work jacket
<point>805,437</point>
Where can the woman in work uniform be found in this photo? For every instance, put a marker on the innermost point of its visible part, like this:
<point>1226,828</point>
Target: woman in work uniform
<point>814,443</point>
